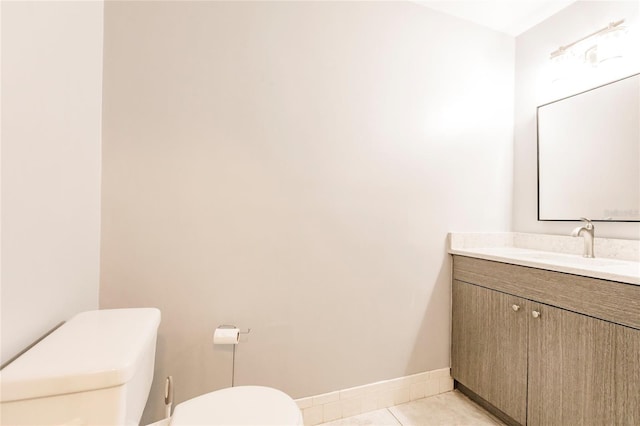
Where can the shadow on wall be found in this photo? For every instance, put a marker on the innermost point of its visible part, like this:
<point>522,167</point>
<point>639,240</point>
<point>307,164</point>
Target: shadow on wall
<point>429,332</point>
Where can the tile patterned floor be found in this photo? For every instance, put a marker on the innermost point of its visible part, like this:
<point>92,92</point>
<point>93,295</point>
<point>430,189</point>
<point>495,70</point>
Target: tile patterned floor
<point>447,409</point>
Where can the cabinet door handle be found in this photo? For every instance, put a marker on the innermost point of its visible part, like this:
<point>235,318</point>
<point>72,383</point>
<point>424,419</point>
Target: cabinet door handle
<point>535,314</point>
<point>515,307</point>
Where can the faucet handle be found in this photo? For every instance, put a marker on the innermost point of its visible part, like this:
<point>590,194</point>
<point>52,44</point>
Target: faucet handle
<point>589,224</point>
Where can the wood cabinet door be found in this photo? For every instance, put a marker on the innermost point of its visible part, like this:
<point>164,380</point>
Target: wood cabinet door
<point>571,368</point>
<point>489,346</point>
<point>627,376</point>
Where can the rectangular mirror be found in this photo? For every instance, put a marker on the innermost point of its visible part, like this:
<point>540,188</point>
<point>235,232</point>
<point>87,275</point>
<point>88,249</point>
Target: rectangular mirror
<point>589,154</point>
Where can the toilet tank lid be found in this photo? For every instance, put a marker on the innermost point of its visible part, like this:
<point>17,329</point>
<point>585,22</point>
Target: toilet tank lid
<point>93,350</point>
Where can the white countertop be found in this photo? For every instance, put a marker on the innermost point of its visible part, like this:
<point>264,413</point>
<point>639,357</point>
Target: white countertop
<point>616,260</point>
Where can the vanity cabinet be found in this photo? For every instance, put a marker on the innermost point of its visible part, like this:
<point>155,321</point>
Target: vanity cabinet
<point>546,348</point>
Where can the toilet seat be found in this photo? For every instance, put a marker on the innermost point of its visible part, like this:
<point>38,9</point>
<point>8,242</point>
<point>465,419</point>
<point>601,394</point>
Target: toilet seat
<point>242,405</point>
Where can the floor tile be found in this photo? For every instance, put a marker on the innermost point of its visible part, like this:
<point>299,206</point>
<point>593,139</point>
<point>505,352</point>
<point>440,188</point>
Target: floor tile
<point>374,418</point>
<point>447,409</point>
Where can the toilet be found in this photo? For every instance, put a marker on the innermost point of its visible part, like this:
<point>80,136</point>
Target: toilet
<point>97,369</point>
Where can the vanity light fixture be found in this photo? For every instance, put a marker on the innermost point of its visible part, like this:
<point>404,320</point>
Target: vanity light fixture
<point>592,49</point>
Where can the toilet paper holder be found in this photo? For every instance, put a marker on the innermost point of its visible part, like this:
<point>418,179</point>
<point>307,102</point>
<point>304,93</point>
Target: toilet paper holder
<point>233,358</point>
<point>248,330</point>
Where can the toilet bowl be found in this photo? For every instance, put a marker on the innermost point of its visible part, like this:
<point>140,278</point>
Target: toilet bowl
<point>242,405</point>
<point>97,369</point>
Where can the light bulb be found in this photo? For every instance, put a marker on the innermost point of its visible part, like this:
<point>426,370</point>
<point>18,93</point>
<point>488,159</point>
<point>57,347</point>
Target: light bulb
<point>612,43</point>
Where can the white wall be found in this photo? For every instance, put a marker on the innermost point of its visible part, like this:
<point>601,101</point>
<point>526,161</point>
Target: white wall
<point>534,87</point>
<point>51,114</point>
<point>294,167</point>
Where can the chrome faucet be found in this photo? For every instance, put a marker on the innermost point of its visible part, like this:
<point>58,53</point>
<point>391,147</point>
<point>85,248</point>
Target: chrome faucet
<point>587,232</point>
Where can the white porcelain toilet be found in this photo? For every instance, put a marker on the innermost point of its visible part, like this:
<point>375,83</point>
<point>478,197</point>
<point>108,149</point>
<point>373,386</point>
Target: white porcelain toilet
<point>97,369</point>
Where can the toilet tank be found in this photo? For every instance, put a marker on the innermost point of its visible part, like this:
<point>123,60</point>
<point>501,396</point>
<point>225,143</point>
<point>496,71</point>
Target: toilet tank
<point>96,369</point>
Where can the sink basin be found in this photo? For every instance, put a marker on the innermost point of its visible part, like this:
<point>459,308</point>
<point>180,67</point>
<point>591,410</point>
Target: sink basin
<point>561,259</point>
<point>573,259</point>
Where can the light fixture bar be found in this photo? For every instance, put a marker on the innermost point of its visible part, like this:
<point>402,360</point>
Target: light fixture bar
<point>563,49</point>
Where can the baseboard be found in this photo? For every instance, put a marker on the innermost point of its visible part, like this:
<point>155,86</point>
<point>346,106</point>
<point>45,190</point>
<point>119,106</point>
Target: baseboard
<point>349,402</point>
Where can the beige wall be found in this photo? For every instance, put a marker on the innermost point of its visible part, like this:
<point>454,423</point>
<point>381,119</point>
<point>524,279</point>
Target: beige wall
<point>534,87</point>
<point>51,113</point>
<point>294,168</point>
